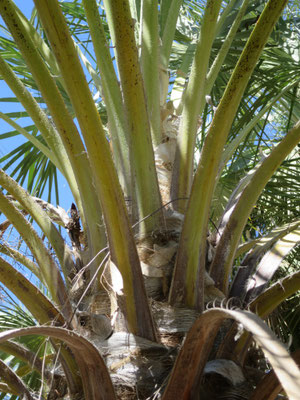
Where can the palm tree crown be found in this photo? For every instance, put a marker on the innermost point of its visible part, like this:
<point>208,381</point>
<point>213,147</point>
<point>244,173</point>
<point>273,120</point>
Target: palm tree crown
<point>175,125</point>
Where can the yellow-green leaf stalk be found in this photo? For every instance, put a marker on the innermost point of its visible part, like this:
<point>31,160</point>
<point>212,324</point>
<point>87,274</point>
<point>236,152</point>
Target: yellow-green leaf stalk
<point>118,128</point>
<point>232,146</point>
<point>62,251</point>
<point>142,162</point>
<point>169,31</point>
<point>122,246</point>
<point>49,133</point>
<point>64,124</point>
<point>194,101</point>
<point>187,283</point>
<point>225,251</point>
<point>43,311</point>
<point>271,261</point>
<point>255,249</point>
<point>6,388</point>
<point>48,267</point>
<point>218,61</point>
<point>265,304</point>
<point>179,86</point>
<point>167,36</point>
<point>31,138</point>
<point>28,357</point>
<point>34,300</point>
<point>20,258</point>
<point>41,46</point>
<point>14,383</point>
<point>150,66</point>
<point>224,15</point>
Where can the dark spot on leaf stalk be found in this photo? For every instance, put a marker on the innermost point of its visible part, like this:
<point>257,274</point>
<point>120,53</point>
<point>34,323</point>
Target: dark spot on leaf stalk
<point>23,287</point>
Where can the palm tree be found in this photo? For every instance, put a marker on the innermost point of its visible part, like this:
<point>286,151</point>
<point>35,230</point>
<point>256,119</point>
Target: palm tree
<point>180,150</point>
